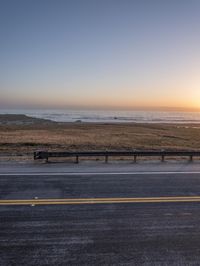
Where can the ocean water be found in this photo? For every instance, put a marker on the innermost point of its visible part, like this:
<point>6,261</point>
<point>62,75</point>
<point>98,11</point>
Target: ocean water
<point>110,116</point>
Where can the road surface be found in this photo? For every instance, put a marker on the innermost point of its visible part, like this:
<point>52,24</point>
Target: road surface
<point>117,218</point>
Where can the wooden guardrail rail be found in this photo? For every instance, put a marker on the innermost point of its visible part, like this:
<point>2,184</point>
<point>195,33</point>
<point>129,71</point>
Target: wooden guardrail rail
<point>135,153</point>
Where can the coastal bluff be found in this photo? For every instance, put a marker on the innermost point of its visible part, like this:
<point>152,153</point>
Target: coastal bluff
<point>21,119</point>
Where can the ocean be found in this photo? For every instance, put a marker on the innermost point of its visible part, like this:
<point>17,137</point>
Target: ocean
<point>99,116</point>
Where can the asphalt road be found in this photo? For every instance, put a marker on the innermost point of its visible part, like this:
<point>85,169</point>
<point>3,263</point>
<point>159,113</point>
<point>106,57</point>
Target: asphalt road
<point>145,233</point>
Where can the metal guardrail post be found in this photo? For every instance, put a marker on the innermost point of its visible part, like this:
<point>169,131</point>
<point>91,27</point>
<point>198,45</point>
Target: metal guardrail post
<point>106,159</point>
<point>191,158</point>
<point>162,156</point>
<point>77,159</point>
<point>135,158</point>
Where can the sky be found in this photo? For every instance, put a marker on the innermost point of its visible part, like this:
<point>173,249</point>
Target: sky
<point>125,54</point>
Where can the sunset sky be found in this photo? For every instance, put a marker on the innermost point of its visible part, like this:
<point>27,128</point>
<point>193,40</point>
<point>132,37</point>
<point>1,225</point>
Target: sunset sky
<point>100,53</point>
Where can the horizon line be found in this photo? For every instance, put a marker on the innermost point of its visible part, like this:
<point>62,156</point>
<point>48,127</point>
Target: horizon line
<point>103,108</point>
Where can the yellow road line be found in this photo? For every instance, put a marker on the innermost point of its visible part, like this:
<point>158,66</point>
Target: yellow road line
<point>103,199</point>
<point>99,200</point>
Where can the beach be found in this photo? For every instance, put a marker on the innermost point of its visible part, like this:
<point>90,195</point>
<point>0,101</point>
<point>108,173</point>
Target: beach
<point>22,135</point>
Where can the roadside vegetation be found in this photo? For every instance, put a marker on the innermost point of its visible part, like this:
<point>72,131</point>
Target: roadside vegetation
<point>16,139</point>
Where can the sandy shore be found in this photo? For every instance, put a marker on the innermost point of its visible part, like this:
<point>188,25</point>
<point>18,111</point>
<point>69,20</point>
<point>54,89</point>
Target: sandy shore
<point>19,135</point>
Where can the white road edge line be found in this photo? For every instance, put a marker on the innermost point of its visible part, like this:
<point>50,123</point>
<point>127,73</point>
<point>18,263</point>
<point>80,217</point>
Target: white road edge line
<point>97,173</point>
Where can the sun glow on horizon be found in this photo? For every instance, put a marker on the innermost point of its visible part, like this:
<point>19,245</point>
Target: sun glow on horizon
<point>127,55</point>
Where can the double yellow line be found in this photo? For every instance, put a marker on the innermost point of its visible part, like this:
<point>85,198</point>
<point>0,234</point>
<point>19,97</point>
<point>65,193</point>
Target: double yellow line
<point>98,200</point>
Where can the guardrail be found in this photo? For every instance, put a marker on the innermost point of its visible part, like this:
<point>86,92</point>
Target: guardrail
<point>135,153</point>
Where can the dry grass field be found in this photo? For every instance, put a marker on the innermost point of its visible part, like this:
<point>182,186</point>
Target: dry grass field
<point>18,139</point>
